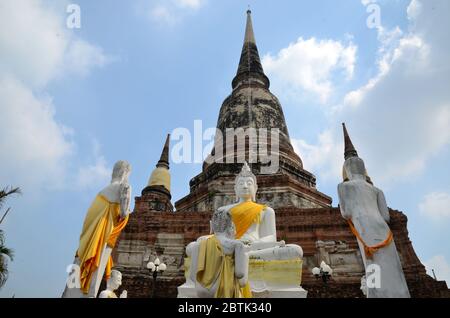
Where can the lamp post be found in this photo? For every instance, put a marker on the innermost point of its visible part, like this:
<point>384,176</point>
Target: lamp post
<point>324,272</point>
<point>155,268</point>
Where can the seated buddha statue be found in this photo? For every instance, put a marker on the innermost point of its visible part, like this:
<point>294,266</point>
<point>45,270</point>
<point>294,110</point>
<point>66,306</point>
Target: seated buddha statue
<point>255,223</point>
<point>273,267</point>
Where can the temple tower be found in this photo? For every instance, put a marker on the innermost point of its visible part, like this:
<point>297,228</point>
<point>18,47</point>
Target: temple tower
<point>252,105</point>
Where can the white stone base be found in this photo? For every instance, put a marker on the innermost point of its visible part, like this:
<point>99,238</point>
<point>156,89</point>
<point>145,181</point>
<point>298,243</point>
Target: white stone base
<point>267,279</point>
<point>187,290</point>
<point>294,292</point>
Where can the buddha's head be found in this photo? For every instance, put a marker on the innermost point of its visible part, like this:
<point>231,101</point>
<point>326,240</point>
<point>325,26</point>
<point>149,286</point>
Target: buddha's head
<point>345,177</point>
<point>222,223</point>
<point>115,280</point>
<point>245,185</point>
<point>121,171</point>
<point>353,168</point>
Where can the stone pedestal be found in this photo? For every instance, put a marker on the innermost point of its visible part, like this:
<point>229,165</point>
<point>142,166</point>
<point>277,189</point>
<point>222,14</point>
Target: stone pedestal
<point>268,279</point>
<point>187,290</point>
<point>296,292</point>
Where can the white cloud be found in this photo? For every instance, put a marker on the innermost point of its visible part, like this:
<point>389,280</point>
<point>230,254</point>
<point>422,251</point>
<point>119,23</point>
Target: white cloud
<point>310,64</point>
<point>33,145</point>
<point>406,104</point>
<point>82,56</point>
<point>35,48</point>
<point>414,9</point>
<point>441,268</point>
<point>32,42</point>
<point>318,158</point>
<point>401,117</point>
<point>191,4</point>
<point>161,13</point>
<point>436,205</point>
<point>97,175</point>
<point>170,12</point>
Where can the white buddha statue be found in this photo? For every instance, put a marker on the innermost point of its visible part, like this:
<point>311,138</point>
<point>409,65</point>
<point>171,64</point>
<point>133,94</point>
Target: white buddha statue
<point>112,284</point>
<point>255,223</point>
<point>364,207</point>
<point>273,267</point>
<point>104,221</point>
<point>219,264</point>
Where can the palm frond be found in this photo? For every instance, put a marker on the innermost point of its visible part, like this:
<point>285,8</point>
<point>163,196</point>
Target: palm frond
<point>4,215</point>
<point>5,251</point>
<point>3,272</point>
<point>5,192</point>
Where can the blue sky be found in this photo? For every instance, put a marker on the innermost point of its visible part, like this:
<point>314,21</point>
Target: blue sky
<point>74,101</point>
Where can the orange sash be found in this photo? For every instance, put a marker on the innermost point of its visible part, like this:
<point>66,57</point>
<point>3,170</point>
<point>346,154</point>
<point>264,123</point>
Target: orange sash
<point>244,215</point>
<point>370,250</point>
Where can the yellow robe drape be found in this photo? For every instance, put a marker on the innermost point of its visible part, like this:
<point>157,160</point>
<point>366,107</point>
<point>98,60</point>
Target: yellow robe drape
<point>102,225</point>
<point>246,214</point>
<point>213,264</point>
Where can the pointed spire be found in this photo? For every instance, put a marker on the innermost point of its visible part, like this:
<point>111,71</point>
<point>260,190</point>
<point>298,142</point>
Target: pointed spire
<point>164,160</point>
<point>249,35</point>
<point>350,150</point>
<point>250,68</point>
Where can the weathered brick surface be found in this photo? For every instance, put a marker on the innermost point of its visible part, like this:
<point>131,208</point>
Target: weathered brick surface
<point>297,226</point>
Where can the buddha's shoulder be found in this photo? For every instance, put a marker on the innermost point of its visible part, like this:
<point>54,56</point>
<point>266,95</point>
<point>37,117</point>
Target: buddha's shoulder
<point>228,207</point>
<point>268,210</point>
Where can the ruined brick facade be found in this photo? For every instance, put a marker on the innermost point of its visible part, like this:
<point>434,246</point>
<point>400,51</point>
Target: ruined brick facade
<point>323,234</point>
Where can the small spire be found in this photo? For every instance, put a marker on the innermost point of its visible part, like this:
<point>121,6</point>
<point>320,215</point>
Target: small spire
<point>249,34</point>
<point>164,160</point>
<point>350,150</point>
